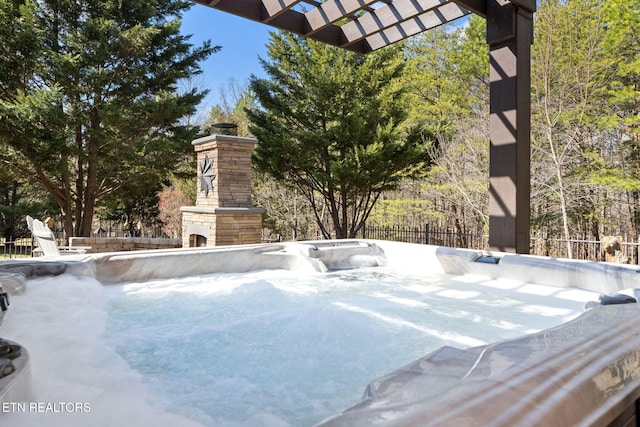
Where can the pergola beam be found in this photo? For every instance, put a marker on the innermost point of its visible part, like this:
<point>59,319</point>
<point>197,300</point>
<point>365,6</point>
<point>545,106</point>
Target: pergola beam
<point>375,28</point>
<point>332,11</point>
<point>527,5</point>
<point>273,8</point>
<point>479,7</point>
<point>416,25</point>
<point>400,20</point>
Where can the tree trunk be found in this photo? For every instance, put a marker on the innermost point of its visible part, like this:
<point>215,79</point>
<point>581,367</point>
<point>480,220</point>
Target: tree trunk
<point>79,183</point>
<point>90,191</point>
<point>561,194</point>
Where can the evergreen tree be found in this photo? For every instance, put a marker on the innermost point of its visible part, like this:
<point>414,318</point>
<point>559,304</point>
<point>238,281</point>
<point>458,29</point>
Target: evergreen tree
<point>92,111</point>
<point>448,77</point>
<point>17,200</point>
<point>330,124</point>
<point>622,116</point>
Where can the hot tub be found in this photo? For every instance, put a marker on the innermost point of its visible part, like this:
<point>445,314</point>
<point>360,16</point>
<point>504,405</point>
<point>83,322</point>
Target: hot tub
<point>547,362</point>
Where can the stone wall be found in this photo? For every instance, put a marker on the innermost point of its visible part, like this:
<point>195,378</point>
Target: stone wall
<point>120,244</point>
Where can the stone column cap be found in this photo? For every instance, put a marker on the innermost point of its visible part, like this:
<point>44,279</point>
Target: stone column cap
<point>219,211</point>
<point>223,138</point>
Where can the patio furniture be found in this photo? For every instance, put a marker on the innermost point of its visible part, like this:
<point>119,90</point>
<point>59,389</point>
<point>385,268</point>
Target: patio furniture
<point>47,244</point>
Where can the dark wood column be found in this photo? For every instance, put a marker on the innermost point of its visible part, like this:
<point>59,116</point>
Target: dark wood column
<point>509,35</point>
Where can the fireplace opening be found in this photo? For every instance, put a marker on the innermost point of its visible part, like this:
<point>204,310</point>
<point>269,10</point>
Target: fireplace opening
<point>197,241</point>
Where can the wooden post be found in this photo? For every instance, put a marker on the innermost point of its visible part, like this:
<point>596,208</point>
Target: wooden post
<point>509,35</point>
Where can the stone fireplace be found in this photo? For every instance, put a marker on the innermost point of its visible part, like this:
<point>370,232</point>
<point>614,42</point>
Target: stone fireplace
<point>223,214</point>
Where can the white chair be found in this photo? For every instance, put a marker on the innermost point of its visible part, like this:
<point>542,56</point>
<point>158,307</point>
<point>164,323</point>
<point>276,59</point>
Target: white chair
<point>47,243</point>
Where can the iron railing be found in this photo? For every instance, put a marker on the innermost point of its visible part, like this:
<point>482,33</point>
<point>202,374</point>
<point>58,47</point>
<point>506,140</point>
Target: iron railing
<point>581,249</point>
<point>21,248</point>
<point>427,235</point>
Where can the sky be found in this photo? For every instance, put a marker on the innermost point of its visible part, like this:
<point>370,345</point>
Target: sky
<point>241,41</point>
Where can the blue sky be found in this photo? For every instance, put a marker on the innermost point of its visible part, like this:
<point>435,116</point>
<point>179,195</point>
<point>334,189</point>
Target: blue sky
<point>242,41</point>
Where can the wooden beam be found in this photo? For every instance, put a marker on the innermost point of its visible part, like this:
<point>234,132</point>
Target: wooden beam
<point>527,5</point>
<point>479,7</point>
<point>250,9</point>
<point>388,16</point>
<point>333,11</point>
<point>418,24</point>
<point>405,16</point>
<point>273,8</point>
<point>377,28</point>
<point>289,20</point>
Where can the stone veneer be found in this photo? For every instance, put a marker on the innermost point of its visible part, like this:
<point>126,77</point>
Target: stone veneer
<point>221,226</point>
<point>223,214</point>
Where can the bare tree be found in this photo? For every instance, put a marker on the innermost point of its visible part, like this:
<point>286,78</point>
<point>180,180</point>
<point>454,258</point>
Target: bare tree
<point>461,176</point>
<point>566,69</point>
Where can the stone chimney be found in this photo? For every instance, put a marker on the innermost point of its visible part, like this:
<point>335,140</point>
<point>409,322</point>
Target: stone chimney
<point>223,214</point>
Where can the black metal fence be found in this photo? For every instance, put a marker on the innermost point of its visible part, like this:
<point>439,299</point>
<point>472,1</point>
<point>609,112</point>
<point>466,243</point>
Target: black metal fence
<point>21,248</point>
<point>427,235</point>
<point>591,250</point>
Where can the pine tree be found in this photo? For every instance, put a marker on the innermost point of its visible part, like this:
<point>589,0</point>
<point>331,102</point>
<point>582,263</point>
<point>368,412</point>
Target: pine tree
<point>623,113</point>
<point>330,124</point>
<point>94,112</point>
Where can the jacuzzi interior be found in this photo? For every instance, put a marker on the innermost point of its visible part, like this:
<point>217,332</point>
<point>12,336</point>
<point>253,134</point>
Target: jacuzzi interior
<point>441,379</point>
